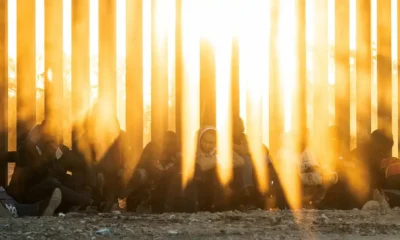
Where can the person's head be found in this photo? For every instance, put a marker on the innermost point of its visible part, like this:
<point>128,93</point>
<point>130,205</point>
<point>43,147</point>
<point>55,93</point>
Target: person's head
<point>170,143</point>
<point>208,140</point>
<point>238,127</point>
<point>381,143</point>
<point>49,137</point>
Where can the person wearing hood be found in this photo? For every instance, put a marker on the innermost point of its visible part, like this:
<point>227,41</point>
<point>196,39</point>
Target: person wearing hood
<point>206,160</point>
<point>206,156</point>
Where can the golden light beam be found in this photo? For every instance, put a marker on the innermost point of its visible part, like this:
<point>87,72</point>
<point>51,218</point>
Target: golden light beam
<point>254,54</point>
<point>190,87</point>
<point>223,49</point>
<point>288,157</point>
<point>320,88</point>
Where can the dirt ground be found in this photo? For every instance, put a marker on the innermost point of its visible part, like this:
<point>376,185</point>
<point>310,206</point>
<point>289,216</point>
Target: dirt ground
<point>305,224</point>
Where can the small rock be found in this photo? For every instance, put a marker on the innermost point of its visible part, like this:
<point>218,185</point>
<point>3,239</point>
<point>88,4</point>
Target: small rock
<point>325,219</point>
<point>78,231</point>
<point>371,206</point>
<point>116,212</point>
<point>61,214</point>
<point>381,199</point>
<point>72,215</point>
<point>15,222</point>
<point>172,232</point>
<point>104,232</point>
<point>83,236</point>
<point>60,228</point>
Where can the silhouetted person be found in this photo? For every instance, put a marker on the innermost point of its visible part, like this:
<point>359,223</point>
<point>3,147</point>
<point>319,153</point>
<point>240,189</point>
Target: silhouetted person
<point>36,173</point>
<point>104,147</point>
<point>212,196</point>
<point>162,193</point>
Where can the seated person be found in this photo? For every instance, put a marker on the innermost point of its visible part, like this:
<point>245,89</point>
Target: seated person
<point>274,197</point>
<point>340,195</point>
<point>314,178</point>
<point>11,208</point>
<point>104,148</point>
<point>35,174</point>
<point>240,146</point>
<point>212,194</point>
<point>389,180</point>
<point>367,159</point>
<point>69,169</point>
<point>163,192</point>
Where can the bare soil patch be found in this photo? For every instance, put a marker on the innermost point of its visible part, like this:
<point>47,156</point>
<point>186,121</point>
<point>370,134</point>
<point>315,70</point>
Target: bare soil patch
<point>305,224</point>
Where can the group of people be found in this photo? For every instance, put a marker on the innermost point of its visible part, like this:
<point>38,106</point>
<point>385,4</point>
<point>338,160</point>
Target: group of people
<point>99,170</point>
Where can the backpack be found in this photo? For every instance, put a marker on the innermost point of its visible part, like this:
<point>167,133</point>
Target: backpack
<point>390,167</point>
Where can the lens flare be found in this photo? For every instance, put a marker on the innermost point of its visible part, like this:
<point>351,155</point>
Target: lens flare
<point>223,50</point>
<point>319,133</point>
<point>254,54</point>
<point>190,87</point>
<point>49,75</point>
<point>288,156</point>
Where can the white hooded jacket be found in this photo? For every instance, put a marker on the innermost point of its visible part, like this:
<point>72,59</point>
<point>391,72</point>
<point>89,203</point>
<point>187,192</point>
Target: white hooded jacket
<point>208,160</point>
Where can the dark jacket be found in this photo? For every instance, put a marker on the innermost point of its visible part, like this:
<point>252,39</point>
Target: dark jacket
<point>32,167</point>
